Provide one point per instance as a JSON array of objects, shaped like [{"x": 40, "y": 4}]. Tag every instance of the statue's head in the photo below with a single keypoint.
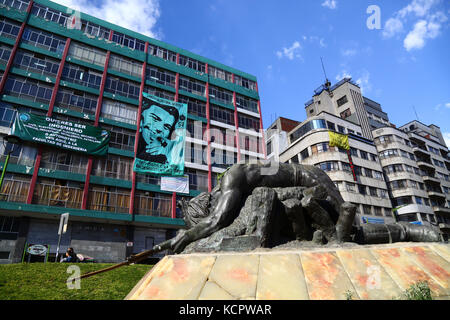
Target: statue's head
[{"x": 195, "y": 209}]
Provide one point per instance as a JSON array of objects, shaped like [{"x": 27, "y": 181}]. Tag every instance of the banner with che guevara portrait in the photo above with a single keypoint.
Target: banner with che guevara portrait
[{"x": 162, "y": 134}]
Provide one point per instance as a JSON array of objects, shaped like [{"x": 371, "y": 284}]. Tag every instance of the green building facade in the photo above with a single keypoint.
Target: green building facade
[{"x": 72, "y": 66}]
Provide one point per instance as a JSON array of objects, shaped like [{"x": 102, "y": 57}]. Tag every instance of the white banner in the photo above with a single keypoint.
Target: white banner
[{"x": 175, "y": 184}]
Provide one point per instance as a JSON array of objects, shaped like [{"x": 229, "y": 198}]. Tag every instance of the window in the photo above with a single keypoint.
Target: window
[
  {"x": 377, "y": 175},
  {"x": 331, "y": 126},
  {"x": 354, "y": 152},
  {"x": 5, "y": 52},
  {"x": 368, "y": 173},
  {"x": 388, "y": 153},
  {"x": 160, "y": 93},
  {"x": 9, "y": 28},
  {"x": 222, "y": 114},
  {"x": 195, "y": 107},
  {"x": 119, "y": 111},
  {"x": 221, "y": 95},
  {"x": 294, "y": 159},
  {"x": 125, "y": 88},
  {"x": 350, "y": 187},
  {"x": 419, "y": 200},
  {"x": 399, "y": 184},
  {"x": 94, "y": 29},
  {"x": 120, "y": 138},
  {"x": 373, "y": 157},
  {"x": 401, "y": 201},
  {"x": 362, "y": 189},
  {"x": 341, "y": 129},
  {"x": 342, "y": 101},
  {"x": 373, "y": 192},
  {"x": 113, "y": 166},
  {"x": 76, "y": 100},
  {"x": 304, "y": 154},
  {"x": 128, "y": 41},
  {"x": 269, "y": 147},
  {"x": 246, "y": 103},
  {"x": 28, "y": 88},
  {"x": 86, "y": 53},
  {"x": 81, "y": 75},
  {"x": 364, "y": 155},
  {"x": 161, "y": 76},
  {"x": 127, "y": 66},
  {"x": 36, "y": 63},
  {"x": 367, "y": 209},
  {"x": 329, "y": 166},
  {"x": 345, "y": 114},
  {"x": 192, "y": 86},
  {"x": 192, "y": 64},
  {"x": 7, "y": 115},
  {"x": 383, "y": 193},
  {"x": 346, "y": 166},
  {"x": 220, "y": 74},
  {"x": 49, "y": 14},
  {"x": 43, "y": 39},
  {"x": 378, "y": 211},
  {"x": 311, "y": 125},
  {"x": 162, "y": 53},
  {"x": 248, "y": 122},
  {"x": 319, "y": 148}
]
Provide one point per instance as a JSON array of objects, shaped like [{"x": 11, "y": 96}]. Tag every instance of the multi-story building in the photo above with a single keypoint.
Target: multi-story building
[
  {"x": 277, "y": 138},
  {"x": 357, "y": 173},
  {"x": 416, "y": 164},
  {"x": 89, "y": 71}
]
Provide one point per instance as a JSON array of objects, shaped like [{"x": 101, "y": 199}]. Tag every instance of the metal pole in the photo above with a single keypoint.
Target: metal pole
[
  {"x": 57, "y": 248},
  {"x": 4, "y": 169}
]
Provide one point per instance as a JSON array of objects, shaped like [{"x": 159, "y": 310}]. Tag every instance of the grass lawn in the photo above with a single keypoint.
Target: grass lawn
[{"x": 47, "y": 281}]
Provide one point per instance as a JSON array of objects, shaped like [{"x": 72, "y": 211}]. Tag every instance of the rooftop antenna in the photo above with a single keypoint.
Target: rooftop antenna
[
  {"x": 327, "y": 82},
  {"x": 417, "y": 117}
]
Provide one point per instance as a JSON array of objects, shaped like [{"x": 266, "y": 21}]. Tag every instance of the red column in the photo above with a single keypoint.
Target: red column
[
  {"x": 208, "y": 133},
  {"x": 37, "y": 163},
  {"x": 261, "y": 126},
  {"x": 236, "y": 124},
  {"x": 14, "y": 49},
  {"x": 177, "y": 85},
  {"x": 97, "y": 117},
  {"x": 138, "y": 123}
]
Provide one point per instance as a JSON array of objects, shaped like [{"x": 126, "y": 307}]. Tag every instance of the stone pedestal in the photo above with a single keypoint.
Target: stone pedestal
[{"x": 369, "y": 272}]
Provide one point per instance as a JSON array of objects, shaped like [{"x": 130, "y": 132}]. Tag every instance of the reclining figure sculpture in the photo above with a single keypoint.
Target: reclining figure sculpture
[
  {"x": 258, "y": 205},
  {"x": 319, "y": 202}
]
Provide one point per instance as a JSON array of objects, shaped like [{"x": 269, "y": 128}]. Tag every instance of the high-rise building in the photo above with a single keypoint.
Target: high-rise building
[
  {"x": 357, "y": 172},
  {"x": 400, "y": 174},
  {"x": 416, "y": 164},
  {"x": 78, "y": 68}
]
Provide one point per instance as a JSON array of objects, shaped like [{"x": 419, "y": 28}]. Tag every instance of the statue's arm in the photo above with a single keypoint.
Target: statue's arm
[{"x": 222, "y": 215}]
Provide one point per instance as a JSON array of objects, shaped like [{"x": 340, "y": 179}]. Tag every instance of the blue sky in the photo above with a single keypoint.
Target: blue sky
[{"x": 404, "y": 65}]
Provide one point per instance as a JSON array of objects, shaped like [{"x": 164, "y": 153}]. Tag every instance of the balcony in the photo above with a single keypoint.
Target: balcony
[
  {"x": 14, "y": 191},
  {"x": 58, "y": 196},
  {"x": 151, "y": 206},
  {"x": 439, "y": 209},
  {"x": 421, "y": 151},
  {"x": 423, "y": 164},
  {"x": 427, "y": 178},
  {"x": 436, "y": 193},
  {"x": 444, "y": 226}
]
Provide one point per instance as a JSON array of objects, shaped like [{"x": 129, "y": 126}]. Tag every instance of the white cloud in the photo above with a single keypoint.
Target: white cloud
[
  {"x": 290, "y": 53},
  {"x": 447, "y": 105},
  {"x": 342, "y": 75},
  {"x": 419, "y": 7},
  {"x": 427, "y": 27},
  {"x": 364, "y": 83},
  {"x": 331, "y": 4},
  {"x": 348, "y": 52},
  {"x": 424, "y": 29},
  {"x": 392, "y": 27},
  {"x": 136, "y": 15},
  {"x": 447, "y": 138}
]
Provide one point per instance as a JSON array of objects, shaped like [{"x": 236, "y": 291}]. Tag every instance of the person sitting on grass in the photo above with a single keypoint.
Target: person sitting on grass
[{"x": 70, "y": 256}]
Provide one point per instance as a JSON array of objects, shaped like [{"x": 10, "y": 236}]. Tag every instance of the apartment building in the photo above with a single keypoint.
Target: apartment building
[
  {"x": 357, "y": 173},
  {"x": 416, "y": 164},
  {"x": 93, "y": 72}
]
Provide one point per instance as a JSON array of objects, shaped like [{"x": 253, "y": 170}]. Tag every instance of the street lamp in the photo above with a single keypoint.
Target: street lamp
[{"x": 13, "y": 140}]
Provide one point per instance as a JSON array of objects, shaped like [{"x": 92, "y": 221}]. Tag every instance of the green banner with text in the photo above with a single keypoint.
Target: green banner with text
[{"x": 61, "y": 134}]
